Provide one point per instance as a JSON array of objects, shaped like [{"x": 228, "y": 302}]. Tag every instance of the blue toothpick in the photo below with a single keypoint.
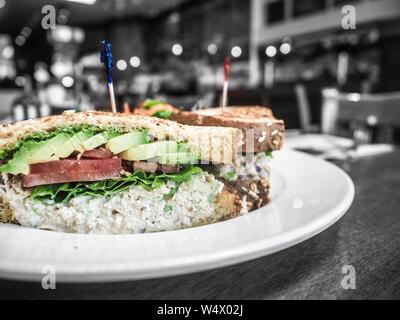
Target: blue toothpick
[{"x": 106, "y": 59}]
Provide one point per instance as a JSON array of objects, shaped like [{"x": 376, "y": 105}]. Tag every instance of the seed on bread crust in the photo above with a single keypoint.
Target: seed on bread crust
[
  {"x": 262, "y": 137},
  {"x": 254, "y": 195},
  {"x": 251, "y": 191}
]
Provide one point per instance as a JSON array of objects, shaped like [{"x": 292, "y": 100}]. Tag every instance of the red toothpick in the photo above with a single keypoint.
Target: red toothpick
[
  {"x": 226, "y": 68},
  {"x": 226, "y": 84}
]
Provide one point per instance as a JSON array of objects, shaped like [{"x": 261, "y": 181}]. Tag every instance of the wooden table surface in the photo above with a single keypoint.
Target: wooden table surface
[{"x": 367, "y": 237}]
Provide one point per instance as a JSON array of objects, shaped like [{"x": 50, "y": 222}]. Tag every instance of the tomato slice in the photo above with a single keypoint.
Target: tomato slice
[{"x": 72, "y": 171}]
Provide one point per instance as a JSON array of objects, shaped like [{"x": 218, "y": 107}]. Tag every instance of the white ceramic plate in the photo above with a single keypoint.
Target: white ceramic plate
[{"x": 308, "y": 196}]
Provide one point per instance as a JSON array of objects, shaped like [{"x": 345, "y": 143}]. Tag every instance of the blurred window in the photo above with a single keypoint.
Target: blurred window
[
  {"x": 275, "y": 11},
  {"x": 343, "y": 2},
  {"x": 305, "y": 7}
]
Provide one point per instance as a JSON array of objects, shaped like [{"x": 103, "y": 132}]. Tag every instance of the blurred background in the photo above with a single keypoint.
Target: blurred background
[{"x": 293, "y": 56}]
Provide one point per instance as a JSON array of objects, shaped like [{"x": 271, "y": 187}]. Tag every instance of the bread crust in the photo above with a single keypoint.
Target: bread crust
[
  {"x": 219, "y": 145},
  {"x": 261, "y": 130},
  {"x": 6, "y": 212},
  {"x": 253, "y": 193}
]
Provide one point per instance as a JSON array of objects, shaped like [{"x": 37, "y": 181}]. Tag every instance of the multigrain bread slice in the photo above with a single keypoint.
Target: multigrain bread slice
[
  {"x": 218, "y": 145},
  {"x": 254, "y": 193},
  {"x": 261, "y": 130},
  {"x": 7, "y": 213}
]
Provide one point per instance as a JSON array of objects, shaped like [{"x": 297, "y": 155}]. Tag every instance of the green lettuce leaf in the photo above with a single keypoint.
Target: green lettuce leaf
[
  {"x": 66, "y": 191},
  {"x": 148, "y": 104},
  {"x": 269, "y": 154},
  {"x": 163, "y": 114}
]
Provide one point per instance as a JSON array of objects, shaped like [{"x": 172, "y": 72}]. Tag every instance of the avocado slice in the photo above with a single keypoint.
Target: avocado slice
[
  {"x": 34, "y": 152},
  {"x": 151, "y": 150},
  {"x": 127, "y": 141},
  {"x": 96, "y": 141},
  {"x": 46, "y": 149},
  {"x": 177, "y": 158},
  {"x": 19, "y": 163},
  {"x": 73, "y": 144}
]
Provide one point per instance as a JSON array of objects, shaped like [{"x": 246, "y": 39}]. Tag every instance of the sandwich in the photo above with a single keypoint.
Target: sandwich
[
  {"x": 99, "y": 172},
  {"x": 249, "y": 175}
]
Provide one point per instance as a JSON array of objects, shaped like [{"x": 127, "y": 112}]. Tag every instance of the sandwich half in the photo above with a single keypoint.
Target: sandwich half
[
  {"x": 249, "y": 175},
  {"x": 98, "y": 172}
]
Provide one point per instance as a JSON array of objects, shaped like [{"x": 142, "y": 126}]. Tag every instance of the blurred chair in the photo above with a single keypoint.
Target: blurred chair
[
  {"x": 368, "y": 117},
  {"x": 307, "y": 97},
  {"x": 25, "y": 107},
  {"x": 304, "y": 107},
  {"x": 7, "y": 96},
  {"x": 330, "y": 108},
  {"x": 207, "y": 100}
]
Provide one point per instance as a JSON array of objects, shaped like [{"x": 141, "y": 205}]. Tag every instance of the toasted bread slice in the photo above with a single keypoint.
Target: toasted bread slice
[
  {"x": 219, "y": 145},
  {"x": 227, "y": 206},
  {"x": 7, "y": 214},
  {"x": 261, "y": 130},
  {"x": 254, "y": 194}
]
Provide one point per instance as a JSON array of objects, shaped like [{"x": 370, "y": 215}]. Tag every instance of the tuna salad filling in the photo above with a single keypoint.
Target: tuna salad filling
[
  {"x": 246, "y": 166},
  {"x": 135, "y": 209}
]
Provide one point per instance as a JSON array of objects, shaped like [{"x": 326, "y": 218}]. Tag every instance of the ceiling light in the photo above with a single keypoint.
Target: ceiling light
[
  {"x": 177, "y": 49},
  {"x": 26, "y": 31},
  {"x": 20, "y": 81},
  {"x": 236, "y": 52},
  {"x": 61, "y": 67},
  {"x": 19, "y": 41},
  {"x": 41, "y": 74},
  {"x": 285, "y": 48},
  {"x": 212, "y": 49},
  {"x": 134, "y": 62},
  {"x": 372, "y": 120},
  {"x": 89, "y": 2},
  {"x": 2, "y": 3},
  {"x": 62, "y": 34},
  {"x": 121, "y": 65},
  {"x": 271, "y": 51},
  {"x": 8, "y": 52},
  {"x": 64, "y": 12},
  {"x": 354, "y": 97},
  {"x": 374, "y": 35},
  {"x": 61, "y": 19},
  {"x": 174, "y": 17},
  {"x": 79, "y": 35},
  {"x": 67, "y": 81}
]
